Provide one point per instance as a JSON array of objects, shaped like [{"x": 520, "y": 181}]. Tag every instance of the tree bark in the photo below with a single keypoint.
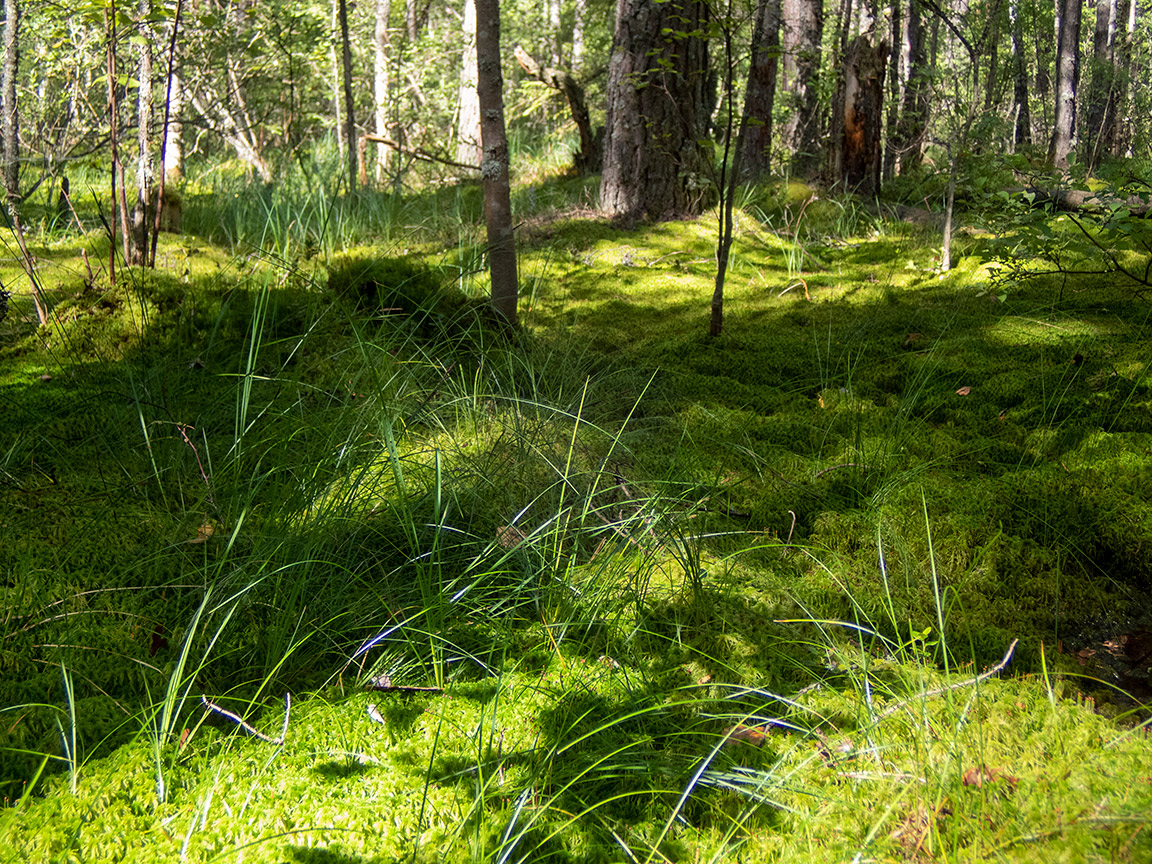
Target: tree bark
[
  {"x": 908, "y": 141},
  {"x": 1067, "y": 81},
  {"x": 173, "y": 144},
  {"x": 1022, "y": 134},
  {"x": 803, "y": 28},
  {"x": 895, "y": 94},
  {"x": 494, "y": 166},
  {"x": 655, "y": 165},
  {"x": 11, "y": 122},
  {"x": 760, "y": 93},
  {"x": 1100, "y": 118},
  {"x": 862, "y": 120},
  {"x": 588, "y": 160},
  {"x": 380, "y": 58},
  {"x": 349, "y": 102},
  {"x": 144, "y": 172},
  {"x": 468, "y": 151}
]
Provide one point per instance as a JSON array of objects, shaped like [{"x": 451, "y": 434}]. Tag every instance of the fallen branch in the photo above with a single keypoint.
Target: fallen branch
[
  {"x": 417, "y": 153},
  {"x": 999, "y": 667},
  {"x": 239, "y": 721}
]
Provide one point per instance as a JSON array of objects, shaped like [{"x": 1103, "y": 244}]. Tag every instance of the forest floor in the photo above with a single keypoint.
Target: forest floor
[{"x": 864, "y": 578}]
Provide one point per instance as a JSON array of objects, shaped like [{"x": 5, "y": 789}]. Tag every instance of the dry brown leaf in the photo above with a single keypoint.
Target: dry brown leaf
[
  {"x": 203, "y": 533},
  {"x": 978, "y": 776},
  {"x": 753, "y": 735},
  {"x": 509, "y": 535}
]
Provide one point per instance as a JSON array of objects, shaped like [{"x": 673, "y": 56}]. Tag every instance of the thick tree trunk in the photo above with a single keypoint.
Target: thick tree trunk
[
  {"x": 803, "y": 29},
  {"x": 349, "y": 103},
  {"x": 1023, "y": 119},
  {"x": 863, "y": 115},
  {"x": 468, "y": 120},
  {"x": 494, "y": 166},
  {"x": 654, "y": 164},
  {"x": 1067, "y": 81},
  {"x": 760, "y": 94}
]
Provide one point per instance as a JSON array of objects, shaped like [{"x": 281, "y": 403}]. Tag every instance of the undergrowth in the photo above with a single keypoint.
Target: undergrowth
[{"x": 616, "y": 590}]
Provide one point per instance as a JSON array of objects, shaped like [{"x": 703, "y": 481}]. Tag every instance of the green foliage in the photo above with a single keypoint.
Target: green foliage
[
  {"x": 1095, "y": 231},
  {"x": 685, "y": 596}
]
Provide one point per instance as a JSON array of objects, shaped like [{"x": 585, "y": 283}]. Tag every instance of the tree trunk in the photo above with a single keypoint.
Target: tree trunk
[
  {"x": 494, "y": 166},
  {"x": 863, "y": 115},
  {"x": 909, "y": 139},
  {"x": 803, "y": 29},
  {"x": 1023, "y": 132},
  {"x": 895, "y": 95},
  {"x": 1126, "y": 29},
  {"x": 655, "y": 165},
  {"x": 380, "y": 59},
  {"x": 760, "y": 94},
  {"x": 11, "y": 122},
  {"x": 1067, "y": 81},
  {"x": 588, "y": 160},
  {"x": 173, "y": 144},
  {"x": 11, "y": 128},
  {"x": 579, "y": 26},
  {"x": 554, "y": 43},
  {"x": 144, "y": 139},
  {"x": 349, "y": 102},
  {"x": 1100, "y": 122},
  {"x": 468, "y": 121}
]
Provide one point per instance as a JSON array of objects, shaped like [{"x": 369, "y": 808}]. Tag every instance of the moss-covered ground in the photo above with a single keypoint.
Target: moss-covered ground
[{"x": 672, "y": 597}]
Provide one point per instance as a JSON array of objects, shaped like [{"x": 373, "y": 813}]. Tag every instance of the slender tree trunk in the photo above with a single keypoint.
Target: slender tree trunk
[
  {"x": 349, "y": 102},
  {"x": 760, "y": 94},
  {"x": 173, "y": 143},
  {"x": 1100, "y": 120},
  {"x": 468, "y": 119},
  {"x": 554, "y": 35},
  {"x": 11, "y": 128},
  {"x": 119, "y": 197},
  {"x": 579, "y": 25},
  {"x": 337, "y": 100},
  {"x": 1067, "y": 81},
  {"x": 729, "y": 175},
  {"x": 1023, "y": 131},
  {"x": 803, "y": 29},
  {"x": 834, "y": 154},
  {"x": 1126, "y": 29},
  {"x": 168, "y": 207},
  {"x": 380, "y": 59},
  {"x": 909, "y": 138},
  {"x": 144, "y": 176},
  {"x": 895, "y": 94},
  {"x": 11, "y": 120},
  {"x": 655, "y": 166},
  {"x": 494, "y": 166},
  {"x": 991, "y": 44}
]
